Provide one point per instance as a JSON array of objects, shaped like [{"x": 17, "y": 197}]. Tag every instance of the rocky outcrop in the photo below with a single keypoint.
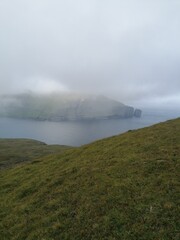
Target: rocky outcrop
[{"x": 137, "y": 113}]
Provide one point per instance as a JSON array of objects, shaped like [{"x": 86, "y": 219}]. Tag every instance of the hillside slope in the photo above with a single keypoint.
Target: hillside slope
[
  {"x": 123, "y": 187},
  {"x": 15, "y": 151}
]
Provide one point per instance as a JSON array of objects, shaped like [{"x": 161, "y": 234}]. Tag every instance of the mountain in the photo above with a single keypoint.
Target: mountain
[
  {"x": 123, "y": 187},
  {"x": 64, "y": 107}
]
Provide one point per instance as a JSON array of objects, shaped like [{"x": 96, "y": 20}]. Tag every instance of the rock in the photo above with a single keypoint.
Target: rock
[{"x": 137, "y": 113}]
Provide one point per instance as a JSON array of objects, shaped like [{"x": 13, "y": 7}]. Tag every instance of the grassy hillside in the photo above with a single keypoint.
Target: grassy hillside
[
  {"x": 14, "y": 151},
  {"x": 123, "y": 187}
]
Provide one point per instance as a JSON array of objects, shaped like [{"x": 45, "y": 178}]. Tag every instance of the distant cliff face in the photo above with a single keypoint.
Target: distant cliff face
[
  {"x": 62, "y": 107},
  {"x": 137, "y": 113}
]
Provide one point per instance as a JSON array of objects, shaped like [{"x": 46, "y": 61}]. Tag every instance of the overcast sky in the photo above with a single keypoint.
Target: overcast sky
[{"x": 125, "y": 49}]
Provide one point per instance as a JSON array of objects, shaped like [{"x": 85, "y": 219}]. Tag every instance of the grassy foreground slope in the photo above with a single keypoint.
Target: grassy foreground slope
[
  {"x": 123, "y": 187},
  {"x": 14, "y": 151}
]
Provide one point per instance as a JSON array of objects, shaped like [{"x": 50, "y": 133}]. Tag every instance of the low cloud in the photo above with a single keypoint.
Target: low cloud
[{"x": 127, "y": 50}]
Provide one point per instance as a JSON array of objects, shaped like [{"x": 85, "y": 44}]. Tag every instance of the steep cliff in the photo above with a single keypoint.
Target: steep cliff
[
  {"x": 137, "y": 113},
  {"x": 64, "y": 107}
]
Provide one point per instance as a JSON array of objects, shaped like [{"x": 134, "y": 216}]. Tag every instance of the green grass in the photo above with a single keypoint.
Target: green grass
[
  {"x": 15, "y": 151},
  {"x": 123, "y": 187}
]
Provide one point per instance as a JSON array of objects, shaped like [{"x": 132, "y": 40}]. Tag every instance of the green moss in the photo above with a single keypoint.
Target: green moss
[{"x": 123, "y": 187}]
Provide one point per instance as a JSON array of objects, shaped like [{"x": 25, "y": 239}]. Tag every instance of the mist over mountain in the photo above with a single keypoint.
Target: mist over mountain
[
  {"x": 77, "y": 73},
  {"x": 127, "y": 50},
  {"x": 64, "y": 107}
]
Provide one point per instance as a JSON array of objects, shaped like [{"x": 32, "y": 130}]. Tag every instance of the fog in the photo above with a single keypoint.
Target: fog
[{"x": 125, "y": 49}]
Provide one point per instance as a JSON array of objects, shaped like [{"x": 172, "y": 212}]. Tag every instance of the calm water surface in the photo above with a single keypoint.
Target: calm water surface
[{"x": 77, "y": 133}]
